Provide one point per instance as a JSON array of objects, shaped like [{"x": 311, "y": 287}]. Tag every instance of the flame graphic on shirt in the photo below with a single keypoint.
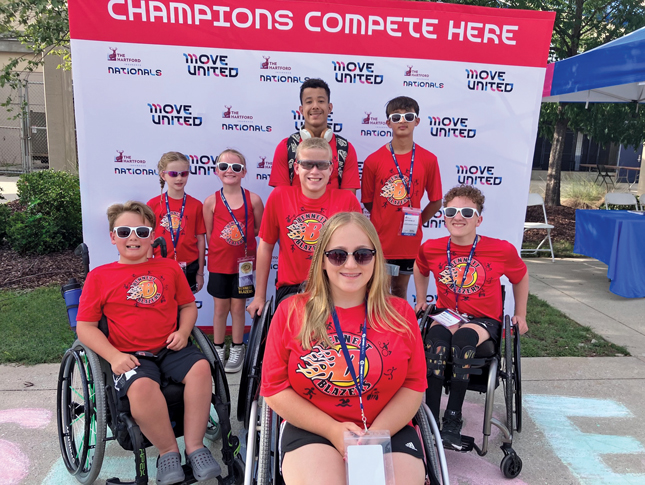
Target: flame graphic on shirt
[
  {"x": 231, "y": 234},
  {"x": 395, "y": 191},
  {"x": 305, "y": 229},
  {"x": 174, "y": 217},
  {"x": 145, "y": 289}
]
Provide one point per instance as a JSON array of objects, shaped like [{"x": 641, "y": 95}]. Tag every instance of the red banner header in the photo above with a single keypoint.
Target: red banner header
[{"x": 379, "y": 28}]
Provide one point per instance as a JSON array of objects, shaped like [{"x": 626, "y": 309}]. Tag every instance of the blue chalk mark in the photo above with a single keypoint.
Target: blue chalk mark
[{"x": 582, "y": 452}]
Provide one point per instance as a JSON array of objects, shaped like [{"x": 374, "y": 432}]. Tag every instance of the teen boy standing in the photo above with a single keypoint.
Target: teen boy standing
[{"x": 394, "y": 180}]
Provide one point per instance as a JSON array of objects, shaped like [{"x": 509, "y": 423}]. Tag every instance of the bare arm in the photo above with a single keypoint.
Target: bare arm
[
  {"x": 421, "y": 286},
  {"x": 430, "y": 210},
  {"x": 521, "y": 293},
  {"x": 201, "y": 247},
  {"x": 262, "y": 268},
  {"x": 399, "y": 411},
  {"x": 90, "y": 335},
  {"x": 187, "y": 318},
  {"x": 209, "y": 206},
  {"x": 258, "y": 210}
]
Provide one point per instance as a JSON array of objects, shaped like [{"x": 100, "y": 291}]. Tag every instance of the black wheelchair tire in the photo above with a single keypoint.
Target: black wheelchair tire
[
  {"x": 429, "y": 445},
  {"x": 517, "y": 380},
  {"x": 508, "y": 373},
  {"x": 219, "y": 375},
  {"x": 264, "y": 446},
  {"x": 87, "y": 468},
  {"x": 511, "y": 465}
]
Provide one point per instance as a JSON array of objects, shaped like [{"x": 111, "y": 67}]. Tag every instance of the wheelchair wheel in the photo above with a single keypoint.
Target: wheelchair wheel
[
  {"x": 511, "y": 465},
  {"x": 219, "y": 376},
  {"x": 81, "y": 413},
  {"x": 507, "y": 373},
  {"x": 517, "y": 381},
  {"x": 264, "y": 448},
  {"x": 429, "y": 445}
]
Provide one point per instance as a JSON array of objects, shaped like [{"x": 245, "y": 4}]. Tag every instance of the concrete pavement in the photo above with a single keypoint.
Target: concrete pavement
[{"x": 9, "y": 189}]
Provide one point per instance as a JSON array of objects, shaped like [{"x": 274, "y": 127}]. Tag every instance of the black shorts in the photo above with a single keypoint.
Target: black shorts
[
  {"x": 170, "y": 366},
  {"x": 286, "y": 291},
  {"x": 292, "y": 438},
  {"x": 494, "y": 327},
  {"x": 225, "y": 286},
  {"x": 405, "y": 265},
  {"x": 191, "y": 274}
]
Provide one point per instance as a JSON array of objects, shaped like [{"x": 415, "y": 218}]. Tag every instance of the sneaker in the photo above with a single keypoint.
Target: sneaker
[
  {"x": 203, "y": 464},
  {"x": 235, "y": 359},
  {"x": 221, "y": 353},
  {"x": 169, "y": 469},
  {"x": 451, "y": 429}
]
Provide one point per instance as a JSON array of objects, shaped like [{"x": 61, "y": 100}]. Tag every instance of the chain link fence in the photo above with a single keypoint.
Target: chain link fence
[{"x": 23, "y": 128}]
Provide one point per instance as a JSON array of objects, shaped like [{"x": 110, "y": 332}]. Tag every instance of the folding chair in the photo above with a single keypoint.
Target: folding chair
[
  {"x": 620, "y": 198},
  {"x": 536, "y": 199},
  {"x": 603, "y": 173}
]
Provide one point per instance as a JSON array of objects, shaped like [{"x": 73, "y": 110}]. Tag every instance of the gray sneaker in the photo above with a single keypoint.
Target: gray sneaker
[
  {"x": 235, "y": 359},
  {"x": 221, "y": 352}
]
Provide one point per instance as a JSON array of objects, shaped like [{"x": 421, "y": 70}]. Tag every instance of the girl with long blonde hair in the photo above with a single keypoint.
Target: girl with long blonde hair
[{"x": 306, "y": 377}]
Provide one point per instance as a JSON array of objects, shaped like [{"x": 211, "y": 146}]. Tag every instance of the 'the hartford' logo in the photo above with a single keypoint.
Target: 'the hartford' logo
[
  {"x": 228, "y": 113},
  {"x": 116, "y": 56},
  {"x": 477, "y": 175},
  {"x": 174, "y": 114},
  {"x": 264, "y": 163},
  {"x": 449, "y": 126},
  {"x": 209, "y": 65},
  {"x": 356, "y": 72},
  {"x": 485, "y": 80},
  {"x": 121, "y": 158}
]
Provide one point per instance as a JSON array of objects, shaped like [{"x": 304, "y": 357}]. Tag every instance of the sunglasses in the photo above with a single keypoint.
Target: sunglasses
[
  {"x": 338, "y": 257},
  {"x": 173, "y": 173},
  {"x": 310, "y": 164},
  {"x": 400, "y": 118},
  {"x": 466, "y": 212},
  {"x": 142, "y": 232},
  {"x": 224, "y": 166}
]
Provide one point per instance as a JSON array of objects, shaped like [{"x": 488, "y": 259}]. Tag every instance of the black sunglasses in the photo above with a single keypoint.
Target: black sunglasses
[
  {"x": 224, "y": 166},
  {"x": 466, "y": 212},
  {"x": 142, "y": 232},
  {"x": 338, "y": 257},
  {"x": 310, "y": 164},
  {"x": 401, "y": 117},
  {"x": 173, "y": 173}
]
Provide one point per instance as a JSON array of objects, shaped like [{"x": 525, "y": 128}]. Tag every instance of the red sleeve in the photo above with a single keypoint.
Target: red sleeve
[
  {"x": 90, "y": 307},
  {"x": 514, "y": 267},
  {"x": 351, "y": 178},
  {"x": 416, "y": 377},
  {"x": 433, "y": 185},
  {"x": 275, "y": 370},
  {"x": 269, "y": 227},
  {"x": 183, "y": 293},
  {"x": 354, "y": 204},
  {"x": 280, "y": 166},
  {"x": 200, "y": 226},
  {"x": 422, "y": 261},
  {"x": 368, "y": 182}
]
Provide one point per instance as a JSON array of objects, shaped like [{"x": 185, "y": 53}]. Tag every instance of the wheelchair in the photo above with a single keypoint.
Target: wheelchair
[
  {"x": 87, "y": 405},
  {"x": 263, "y": 425},
  {"x": 491, "y": 366}
]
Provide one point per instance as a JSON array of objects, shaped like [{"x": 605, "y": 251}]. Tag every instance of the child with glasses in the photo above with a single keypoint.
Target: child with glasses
[
  {"x": 180, "y": 219},
  {"x": 232, "y": 216},
  {"x": 141, "y": 299},
  {"x": 395, "y": 178},
  {"x": 467, "y": 269},
  {"x": 310, "y": 377},
  {"x": 294, "y": 216}
]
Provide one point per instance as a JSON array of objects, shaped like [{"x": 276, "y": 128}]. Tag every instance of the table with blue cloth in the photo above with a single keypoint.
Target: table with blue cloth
[{"x": 617, "y": 238}]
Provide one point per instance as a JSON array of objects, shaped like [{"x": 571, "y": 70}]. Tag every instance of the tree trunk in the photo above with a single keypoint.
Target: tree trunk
[{"x": 552, "y": 196}]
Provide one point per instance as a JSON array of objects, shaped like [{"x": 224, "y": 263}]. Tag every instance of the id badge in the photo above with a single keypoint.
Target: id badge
[
  {"x": 447, "y": 318},
  {"x": 182, "y": 265},
  {"x": 411, "y": 220},
  {"x": 369, "y": 458},
  {"x": 245, "y": 272}
]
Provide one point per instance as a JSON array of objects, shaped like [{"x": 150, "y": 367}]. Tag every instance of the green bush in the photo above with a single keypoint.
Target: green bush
[
  {"x": 5, "y": 212},
  {"x": 51, "y": 219}
]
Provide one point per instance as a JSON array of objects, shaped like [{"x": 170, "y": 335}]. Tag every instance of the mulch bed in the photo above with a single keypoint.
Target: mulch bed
[{"x": 562, "y": 217}]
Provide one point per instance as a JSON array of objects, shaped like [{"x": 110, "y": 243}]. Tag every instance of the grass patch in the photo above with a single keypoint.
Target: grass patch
[
  {"x": 553, "y": 334},
  {"x": 561, "y": 249},
  {"x": 582, "y": 193},
  {"x": 34, "y": 326}
]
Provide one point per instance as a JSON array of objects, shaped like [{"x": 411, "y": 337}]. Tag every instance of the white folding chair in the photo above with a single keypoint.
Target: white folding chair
[
  {"x": 536, "y": 199},
  {"x": 620, "y": 198}
]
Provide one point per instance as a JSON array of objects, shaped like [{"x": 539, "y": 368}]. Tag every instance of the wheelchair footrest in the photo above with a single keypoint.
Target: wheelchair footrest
[
  {"x": 188, "y": 471},
  {"x": 467, "y": 444}
]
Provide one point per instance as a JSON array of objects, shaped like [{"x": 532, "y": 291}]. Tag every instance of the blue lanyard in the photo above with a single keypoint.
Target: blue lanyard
[
  {"x": 175, "y": 237},
  {"x": 358, "y": 382},
  {"x": 246, "y": 215},
  {"x": 408, "y": 189},
  {"x": 463, "y": 279}
]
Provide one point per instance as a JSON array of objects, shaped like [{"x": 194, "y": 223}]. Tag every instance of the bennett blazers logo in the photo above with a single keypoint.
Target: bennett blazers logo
[
  {"x": 477, "y": 175},
  {"x": 451, "y": 127},
  {"x": 172, "y": 114},
  {"x": 487, "y": 80},
  {"x": 356, "y": 72},
  {"x": 299, "y": 121},
  {"x": 126, "y": 65},
  {"x": 209, "y": 65},
  {"x": 145, "y": 290}
]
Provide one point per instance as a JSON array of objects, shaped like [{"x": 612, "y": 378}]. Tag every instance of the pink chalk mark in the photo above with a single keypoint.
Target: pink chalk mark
[
  {"x": 31, "y": 418},
  {"x": 13, "y": 463}
]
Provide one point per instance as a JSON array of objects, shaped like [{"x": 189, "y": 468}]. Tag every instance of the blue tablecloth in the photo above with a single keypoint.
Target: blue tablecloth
[{"x": 617, "y": 238}]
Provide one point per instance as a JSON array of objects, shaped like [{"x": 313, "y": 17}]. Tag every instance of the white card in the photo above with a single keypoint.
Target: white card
[
  {"x": 365, "y": 465},
  {"x": 446, "y": 318}
]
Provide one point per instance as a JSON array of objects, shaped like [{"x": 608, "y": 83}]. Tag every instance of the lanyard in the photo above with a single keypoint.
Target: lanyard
[
  {"x": 463, "y": 279},
  {"x": 408, "y": 189},
  {"x": 175, "y": 237},
  {"x": 361, "y": 363},
  {"x": 246, "y": 215}
]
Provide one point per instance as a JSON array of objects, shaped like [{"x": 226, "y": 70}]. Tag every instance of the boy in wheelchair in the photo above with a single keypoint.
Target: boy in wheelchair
[
  {"x": 467, "y": 268},
  {"x": 145, "y": 346}
]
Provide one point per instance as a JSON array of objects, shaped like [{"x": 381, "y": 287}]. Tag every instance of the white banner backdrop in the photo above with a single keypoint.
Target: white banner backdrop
[{"x": 140, "y": 92}]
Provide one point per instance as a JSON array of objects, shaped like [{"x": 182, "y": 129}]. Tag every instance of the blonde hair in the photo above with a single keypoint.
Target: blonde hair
[
  {"x": 319, "y": 303},
  {"x": 231, "y": 151},
  {"x": 165, "y": 159},
  {"x": 115, "y": 210},
  {"x": 315, "y": 143}
]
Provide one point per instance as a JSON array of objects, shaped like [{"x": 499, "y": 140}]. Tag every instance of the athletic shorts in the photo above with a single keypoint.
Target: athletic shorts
[
  {"x": 170, "y": 366},
  {"x": 225, "y": 286},
  {"x": 292, "y": 438},
  {"x": 191, "y": 274},
  {"x": 286, "y": 291},
  {"x": 405, "y": 265},
  {"x": 493, "y": 326}
]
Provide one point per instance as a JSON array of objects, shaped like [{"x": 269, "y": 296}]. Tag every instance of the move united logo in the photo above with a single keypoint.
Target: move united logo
[
  {"x": 450, "y": 127},
  {"x": 145, "y": 290},
  {"x": 231, "y": 234},
  {"x": 475, "y": 278},
  {"x": 305, "y": 229},
  {"x": 354, "y": 72},
  {"x": 394, "y": 190},
  {"x": 202, "y": 164},
  {"x": 174, "y": 114},
  {"x": 209, "y": 65},
  {"x": 477, "y": 175},
  {"x": 487, "y": 80}
]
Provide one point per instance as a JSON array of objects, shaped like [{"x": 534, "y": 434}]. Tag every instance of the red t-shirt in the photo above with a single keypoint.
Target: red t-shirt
[
  {"x": 139, "y": 300},
  {"x": 226, "y": 245},
  {"x": 481, "y": 295},
  {"x": 382, "y": 187},
  {"x": 296, "y": 221},
  {"x": 320, "y": 375},
  {"x": 192, "y": 225},
  {"x": 280, "y": 167}
]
